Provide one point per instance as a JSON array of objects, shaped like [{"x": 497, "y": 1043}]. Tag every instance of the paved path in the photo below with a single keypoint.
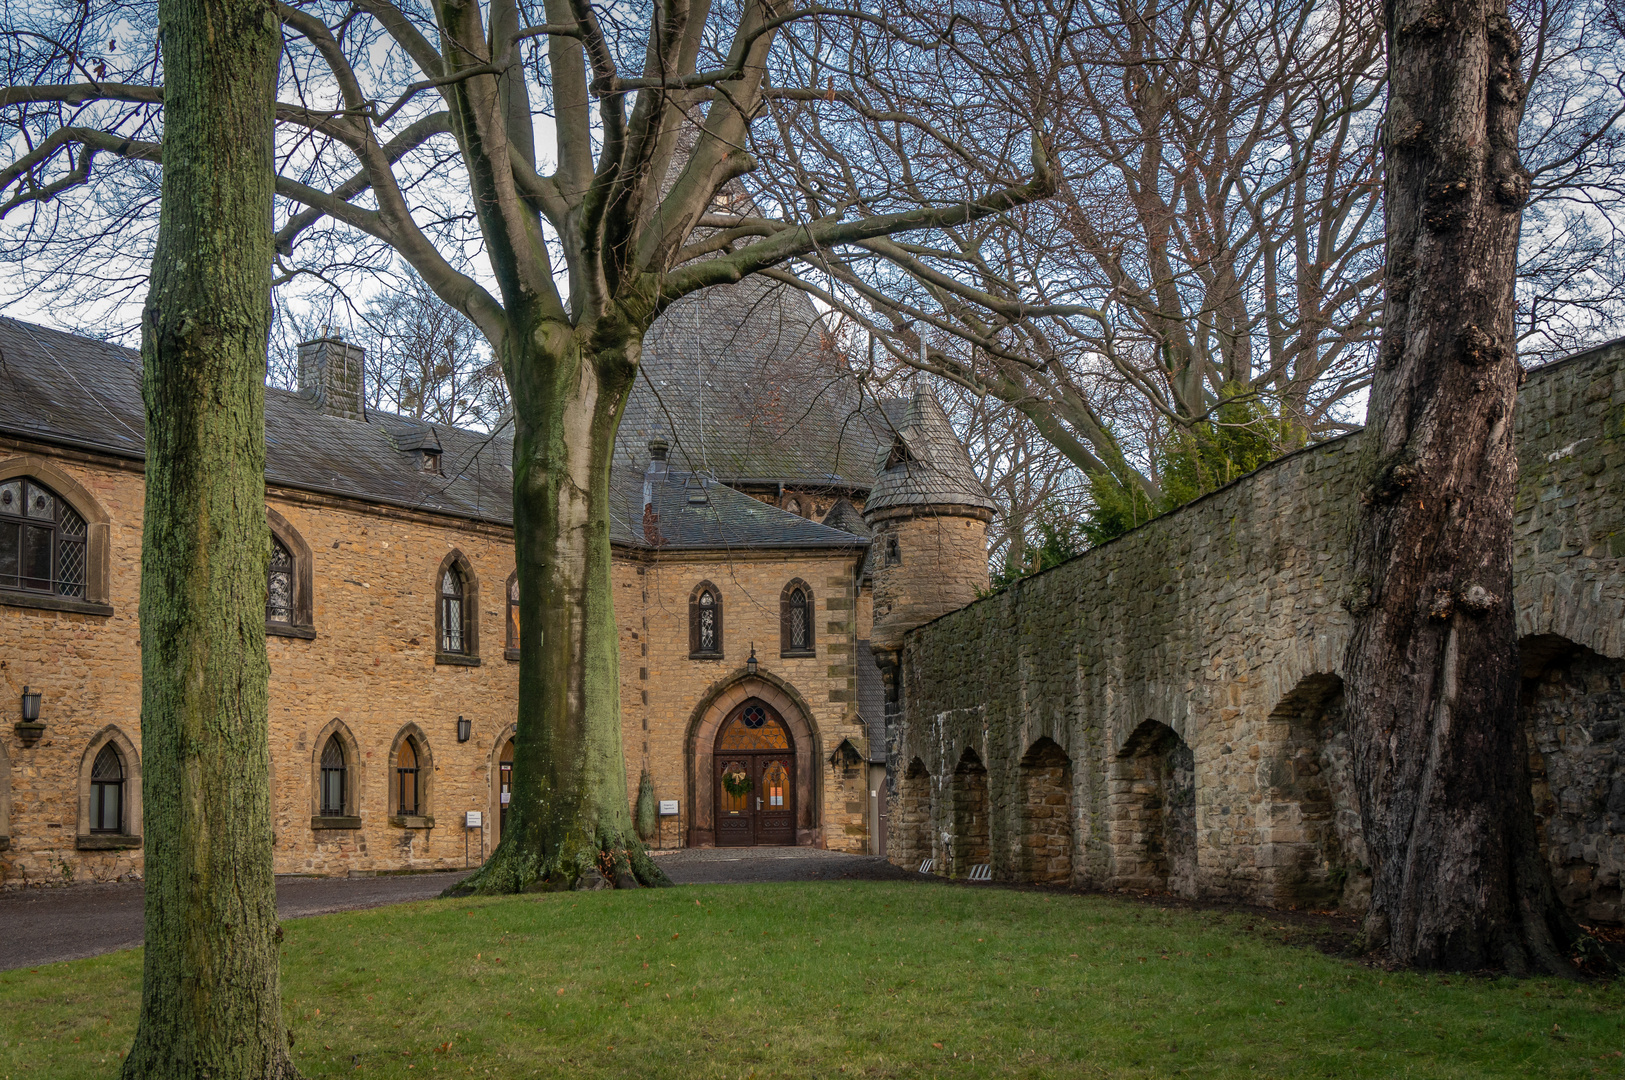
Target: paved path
[
  {"x": 719, "y": 866},
  {"x": 46, "y": 926}
]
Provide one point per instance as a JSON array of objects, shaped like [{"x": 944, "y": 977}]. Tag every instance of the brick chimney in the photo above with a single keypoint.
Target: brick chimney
[{"x": 330, "y": 374}]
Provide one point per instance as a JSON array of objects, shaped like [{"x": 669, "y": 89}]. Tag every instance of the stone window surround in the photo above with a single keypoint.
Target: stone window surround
[
  {"x": 471, "y": 611},
  {"x": 303, "y": 624},
  {"x": 785, "y": 651},
  {"x": 694, "y": 650},
  {"x": 131, "y": 836},
  {"x": 351, "y": 818},
  {"x": 98, "y": 573},
  {"x": 422, "y": 819}
]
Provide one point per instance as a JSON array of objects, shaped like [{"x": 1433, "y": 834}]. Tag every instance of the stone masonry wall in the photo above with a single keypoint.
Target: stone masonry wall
[
  {"x": 1222, "y": 622},
  {"x": 371, "y": 667}
]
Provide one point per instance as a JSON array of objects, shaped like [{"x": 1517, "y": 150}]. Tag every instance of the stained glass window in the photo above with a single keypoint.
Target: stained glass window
[
  {"x": 775, "y": 784},
  {"x": 42, "y": 541},
  {"x": 107, "y": 791},
  {"x": 279, "y": 584},
  {"x": 708, "y": 622},
  {"x": 333, "y": 778},
  {"x": 452, "y": 637},
  {"x": 513, "y": 612}
]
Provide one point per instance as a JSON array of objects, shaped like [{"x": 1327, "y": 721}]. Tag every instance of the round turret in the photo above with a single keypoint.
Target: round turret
[{"x": 929, "y": 514}]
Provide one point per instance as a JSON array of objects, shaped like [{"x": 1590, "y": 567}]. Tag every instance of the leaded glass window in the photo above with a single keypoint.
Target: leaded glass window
[
  {"x": 406, "y": 778},
  {"x": 513, "y": 612},
  {"x": 333, "y": 778},
  {"x": 798, "y": 619},
  {"x": 708, "y": 622},
  {"x": 107, "y": 791},
  {"x": 42, "y": 541},
  {"x": 279, "y": 584},
  {"x": 453, "y": 639}
]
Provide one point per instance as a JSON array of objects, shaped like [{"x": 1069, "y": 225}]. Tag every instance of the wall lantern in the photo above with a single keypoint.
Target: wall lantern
[
  {"x": 750, "y": 665},
  {"x": 463, "y": 727},
  {"x": 30, "y": 729}
]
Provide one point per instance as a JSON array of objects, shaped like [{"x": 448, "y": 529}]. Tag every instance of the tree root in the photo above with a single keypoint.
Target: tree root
[{"x": 614, "y": 862}]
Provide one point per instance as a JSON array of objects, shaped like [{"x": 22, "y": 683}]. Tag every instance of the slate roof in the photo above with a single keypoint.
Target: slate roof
[
  {"x": 922, "y": 463},
  {"x": 744, "y": 383},
  {"x": 80, "y": 392}
]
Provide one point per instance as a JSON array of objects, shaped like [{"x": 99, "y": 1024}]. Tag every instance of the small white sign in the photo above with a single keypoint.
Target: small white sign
[
  {"x": 668, "y": 807},
  {"x": 475, "y": 819}
]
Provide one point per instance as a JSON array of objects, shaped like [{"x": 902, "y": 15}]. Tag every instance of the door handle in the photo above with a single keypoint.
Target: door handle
[{"x": 758, "y": 802}]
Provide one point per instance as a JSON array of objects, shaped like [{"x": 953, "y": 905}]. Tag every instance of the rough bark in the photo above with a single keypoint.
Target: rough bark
[
  {"x": 1432, "y": 674},
  {"x": 211, "y": 1003},
  {"x": 569, "y": 825}
]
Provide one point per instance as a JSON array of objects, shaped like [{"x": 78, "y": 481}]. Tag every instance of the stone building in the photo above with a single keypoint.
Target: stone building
[
  {"x": 742, "y": 588},
  {"x": 1164, "y": 712}
]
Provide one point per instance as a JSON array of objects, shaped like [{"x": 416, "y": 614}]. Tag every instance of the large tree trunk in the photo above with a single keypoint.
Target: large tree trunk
[
  {"x": 211, "y": 1003},
  {"x": 569, "y": 824},
  {"x": 1432, "y": 673}
]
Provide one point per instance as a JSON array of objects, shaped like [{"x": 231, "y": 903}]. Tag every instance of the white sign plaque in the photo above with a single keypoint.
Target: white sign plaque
[
  {"x": 668, "y": 807},
  {"x": 475, "y": 819}
]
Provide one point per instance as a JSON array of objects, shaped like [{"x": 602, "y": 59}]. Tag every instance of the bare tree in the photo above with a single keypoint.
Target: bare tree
[
  {"x": 1457, "y": 876},
  {"x": 417, "y": 127}
]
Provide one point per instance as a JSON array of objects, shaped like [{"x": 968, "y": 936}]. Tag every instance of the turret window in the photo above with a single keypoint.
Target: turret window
[{"x": 894, "y": 551}]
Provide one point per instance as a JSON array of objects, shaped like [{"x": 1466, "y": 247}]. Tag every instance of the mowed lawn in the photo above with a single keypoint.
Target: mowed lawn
[{"x": 838, "y": 979}]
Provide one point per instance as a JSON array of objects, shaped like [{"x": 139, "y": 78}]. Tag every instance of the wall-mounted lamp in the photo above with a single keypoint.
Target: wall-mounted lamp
[
  {"x": 750, "y": 665},
  {"x": 463, "y": 729},
  {"x": 30, "y": 729}
]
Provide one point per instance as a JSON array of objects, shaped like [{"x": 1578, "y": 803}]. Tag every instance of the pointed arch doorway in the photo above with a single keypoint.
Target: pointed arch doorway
[{"x": 754, "y": 765}]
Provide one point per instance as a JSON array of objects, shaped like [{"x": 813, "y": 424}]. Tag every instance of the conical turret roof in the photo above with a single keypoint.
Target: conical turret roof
[{"x": 923, "y": 463}]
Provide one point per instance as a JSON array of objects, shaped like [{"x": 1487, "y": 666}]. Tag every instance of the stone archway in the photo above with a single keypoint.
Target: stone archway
[
  {"x": 1046, "y": 814},
  {"x": 972, "y": 843},
  {"x": 700, "y": 749},
  {"x": 1152, "y": 798}
]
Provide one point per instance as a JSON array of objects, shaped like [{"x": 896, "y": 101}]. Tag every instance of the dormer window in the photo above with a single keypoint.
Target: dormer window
[{"x": 429, "y": 461}]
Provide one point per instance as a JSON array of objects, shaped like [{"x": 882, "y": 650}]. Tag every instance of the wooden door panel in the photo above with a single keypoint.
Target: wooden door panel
[
  {"x": 735, "y": 820},
  {"x": 775, "y": 790}
]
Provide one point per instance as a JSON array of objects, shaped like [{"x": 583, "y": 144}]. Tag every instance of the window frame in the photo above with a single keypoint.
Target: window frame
[
  {"x": 470, "y": 654},
  {"x": 510, "y": 593},
  {"x": 98, "y": 799},
  {"x": 97, "y": 573},
  {"x": 422, "y": 815},
  {"x": 301, "y": 623},
  {"x": 352, "y": 781},
  {"x": 128, "y": 834},
  {"x": 787, "y": 646},
  {"x": 696, "y": 606}
]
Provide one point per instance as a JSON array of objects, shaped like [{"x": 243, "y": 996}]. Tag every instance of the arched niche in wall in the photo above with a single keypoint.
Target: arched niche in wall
[
  {"x": 1047, "y": 834},
  {"x": 1152, "y": 803}
]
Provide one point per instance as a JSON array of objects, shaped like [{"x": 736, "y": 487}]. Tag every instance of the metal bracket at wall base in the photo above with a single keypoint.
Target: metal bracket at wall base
[
  {"x": 981, "y": 872},
  {"x": 927, "y": 866}
]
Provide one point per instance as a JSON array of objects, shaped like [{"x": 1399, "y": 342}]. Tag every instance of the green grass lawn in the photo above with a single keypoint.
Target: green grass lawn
[{"x": 830, "y": 980}]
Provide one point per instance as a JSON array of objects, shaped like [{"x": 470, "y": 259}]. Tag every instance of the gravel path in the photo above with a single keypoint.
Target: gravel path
[{"x": 46, "y": 926}]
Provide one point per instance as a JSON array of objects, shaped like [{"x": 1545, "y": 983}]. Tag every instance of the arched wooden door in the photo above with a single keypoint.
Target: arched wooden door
[{"x": 755, "y": 765}]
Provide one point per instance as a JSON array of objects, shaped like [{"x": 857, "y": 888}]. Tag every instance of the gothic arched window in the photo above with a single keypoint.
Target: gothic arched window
[
  {"x": 512, "y": 649},
  {"x": 279, "y": 584},
  {"x": 406, "y": 778},
  {"x": 705, "y": 622},
  {"x": 452, "y": 636},
  {"x": 334, "y": 778},
  {"x": 107, "y": 792},
  {"x": 796, "y": 629},
  {"x": 42, "y": 540}
]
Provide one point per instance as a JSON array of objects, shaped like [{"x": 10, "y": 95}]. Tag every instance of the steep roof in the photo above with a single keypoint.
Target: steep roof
[
  {"x": 80, "y": 392},
  {"x": 744, "y": 382},
  {"x": 923, "y": 463}
]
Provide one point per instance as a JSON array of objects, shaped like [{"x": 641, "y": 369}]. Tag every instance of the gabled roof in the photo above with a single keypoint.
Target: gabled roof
[
  {"x": 923, "y": 463},
  {"x": 80, "y": 392}
]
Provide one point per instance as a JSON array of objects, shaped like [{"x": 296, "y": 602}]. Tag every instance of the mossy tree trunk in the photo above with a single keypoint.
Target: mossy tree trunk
[
  {"x": 1458, "y": 881},
  {"x": 568, "y": 821},
  {"x": 211, "y": 1004}
]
